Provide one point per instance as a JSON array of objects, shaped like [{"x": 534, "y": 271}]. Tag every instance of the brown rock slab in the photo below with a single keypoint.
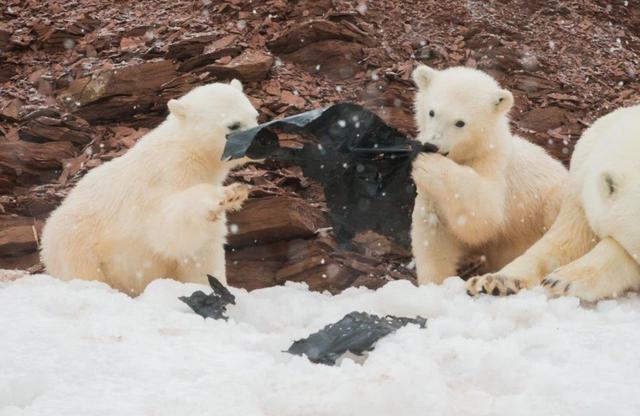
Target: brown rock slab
[
  {"x": 543, "y": 119},
  {"x": 336, "y": 59},
  {"x": 55, "y": 127},
  {"x": 7, "y": 70},
  {"x": 293, "y": 100},
  {"x": 24, "y": 163},
  {"x": 189, "y": 47},
  {"x": 5, "y": 35},
  {"x": 303, "y": 34},
  {"x": 18, "y": 235},
  {"x": 125, "y": 93},
  {"x": 249, "y": 66},
  {"x": 132, "y": 80},
  {"x": 255, "y": 267},
  {"x": 269, "y": 219},
  {"x": 534, "y": 85},
  {"x": 10, "y": 110},
  {"x": 209, "y": 56},
  {"x": 64, "y": 37}
]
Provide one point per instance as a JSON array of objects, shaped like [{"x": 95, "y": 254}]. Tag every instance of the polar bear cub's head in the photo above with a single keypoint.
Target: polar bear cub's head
[
  {"x": 208, "y": 113},
  {"x": 461, "y": 110}
]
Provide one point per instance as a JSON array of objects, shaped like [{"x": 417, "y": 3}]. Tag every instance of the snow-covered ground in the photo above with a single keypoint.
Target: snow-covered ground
[{"x": 81, "y": 348}]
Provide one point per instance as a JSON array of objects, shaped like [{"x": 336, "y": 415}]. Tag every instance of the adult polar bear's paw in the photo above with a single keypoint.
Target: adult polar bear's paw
[{"x": 606, "y": 271}]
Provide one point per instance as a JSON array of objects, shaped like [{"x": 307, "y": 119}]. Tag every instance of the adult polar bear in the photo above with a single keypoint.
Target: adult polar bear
[
  {"x": 159, "y": 210},
  {"x": 486, "y": 192},
  {"x": 593, "y": 249}
]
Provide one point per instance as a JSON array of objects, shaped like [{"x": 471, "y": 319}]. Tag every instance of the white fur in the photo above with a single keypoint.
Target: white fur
[
  {"x": 157, "y": 211},
  {"x": 486, "y": 192},
  {"x": 593, "y": 249}
]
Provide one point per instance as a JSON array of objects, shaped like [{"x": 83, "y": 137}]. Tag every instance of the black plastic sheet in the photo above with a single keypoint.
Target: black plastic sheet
[
  {"x": 363, "y": 164},
  {"x": 213, "y": 305},
  {"x": 357, "y": 333}
]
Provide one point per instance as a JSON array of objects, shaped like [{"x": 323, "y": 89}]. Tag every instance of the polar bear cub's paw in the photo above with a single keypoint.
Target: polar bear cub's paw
[
  {"x": 429, "y": 169},
  {"x": 232, "y": 198},
  {"x": 494, "y": 284}
]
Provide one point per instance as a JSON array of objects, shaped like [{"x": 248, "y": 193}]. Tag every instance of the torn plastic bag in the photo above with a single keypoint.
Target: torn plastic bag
[
  {"x": 213, "y": 305},
  {"x": 363, "y": 164},
  {"x": 357, "y": 333}
]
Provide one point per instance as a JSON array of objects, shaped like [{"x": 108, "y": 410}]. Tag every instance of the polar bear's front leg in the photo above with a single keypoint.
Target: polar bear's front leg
[
  {"x": 607, "y": 271},
  {"x": 186, "y": 221},
  {"x": 232, "y": 200},
  {"x": 436, "y": 251},
  {"x": 568, "y": 238},
  {"x": 473, "y": 206},
  {"x": 210, "y": 259}
]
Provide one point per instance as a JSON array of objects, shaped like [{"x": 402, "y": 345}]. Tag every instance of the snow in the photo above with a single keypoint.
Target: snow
[{"x": 81, "y": 348}]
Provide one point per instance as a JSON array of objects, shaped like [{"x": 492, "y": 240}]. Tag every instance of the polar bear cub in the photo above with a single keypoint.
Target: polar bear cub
[
  {"x": 593, "y": 249},
  {"x": 159, "y": 210},
  {"x": 485, "y": 192}
]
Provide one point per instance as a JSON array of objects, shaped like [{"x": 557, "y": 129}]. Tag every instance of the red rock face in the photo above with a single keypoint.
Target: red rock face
[{"x": 80, "y": 82}]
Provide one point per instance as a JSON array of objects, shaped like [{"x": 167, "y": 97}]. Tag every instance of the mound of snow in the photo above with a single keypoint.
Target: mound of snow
[{"x": 80, "y": 348}]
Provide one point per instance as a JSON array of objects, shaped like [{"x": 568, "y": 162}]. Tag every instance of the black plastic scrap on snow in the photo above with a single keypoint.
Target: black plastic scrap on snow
[
  {"x": 357, "y": 333},
  {"x": 213, "y": 305},
  {"x": 363, "y": 164}
]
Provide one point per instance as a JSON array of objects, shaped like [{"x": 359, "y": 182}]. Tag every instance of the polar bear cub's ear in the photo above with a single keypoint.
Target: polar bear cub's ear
[
  {"x": 236, "y": 84},
  {"x": 503, "y": 101},
  {"x": 177, "y": 108},
  {"x": 423, "y": 75}
]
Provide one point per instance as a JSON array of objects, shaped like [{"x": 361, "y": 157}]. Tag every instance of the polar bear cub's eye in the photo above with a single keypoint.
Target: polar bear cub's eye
[
  {"x": 432, "y": 113},
  {"x": 234, "y": 126},
  {"x": 460, "y": 123}
]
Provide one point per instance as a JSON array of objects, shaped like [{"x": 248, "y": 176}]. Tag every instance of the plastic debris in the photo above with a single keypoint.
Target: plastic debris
[
  {"x": 357, "y": 333},
  {"x": 213, "y": 305},
  {"x": 363, "y": 164}
]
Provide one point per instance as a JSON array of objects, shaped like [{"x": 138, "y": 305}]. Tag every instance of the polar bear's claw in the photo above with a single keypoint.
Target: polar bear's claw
[{"x": 557, "y": 286}]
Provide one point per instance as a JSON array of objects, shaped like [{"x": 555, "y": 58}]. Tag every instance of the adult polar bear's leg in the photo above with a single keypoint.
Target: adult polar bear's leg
[
  {"x": 568, "y": 238},
  {"x": 606, "y": 271}
]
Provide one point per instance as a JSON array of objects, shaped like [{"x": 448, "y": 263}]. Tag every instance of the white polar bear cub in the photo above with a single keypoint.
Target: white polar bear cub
[
  {"x": 159, "y": 210},
  {"x": 486, "y": 192},
  {"x": 593, "y": 249}
]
